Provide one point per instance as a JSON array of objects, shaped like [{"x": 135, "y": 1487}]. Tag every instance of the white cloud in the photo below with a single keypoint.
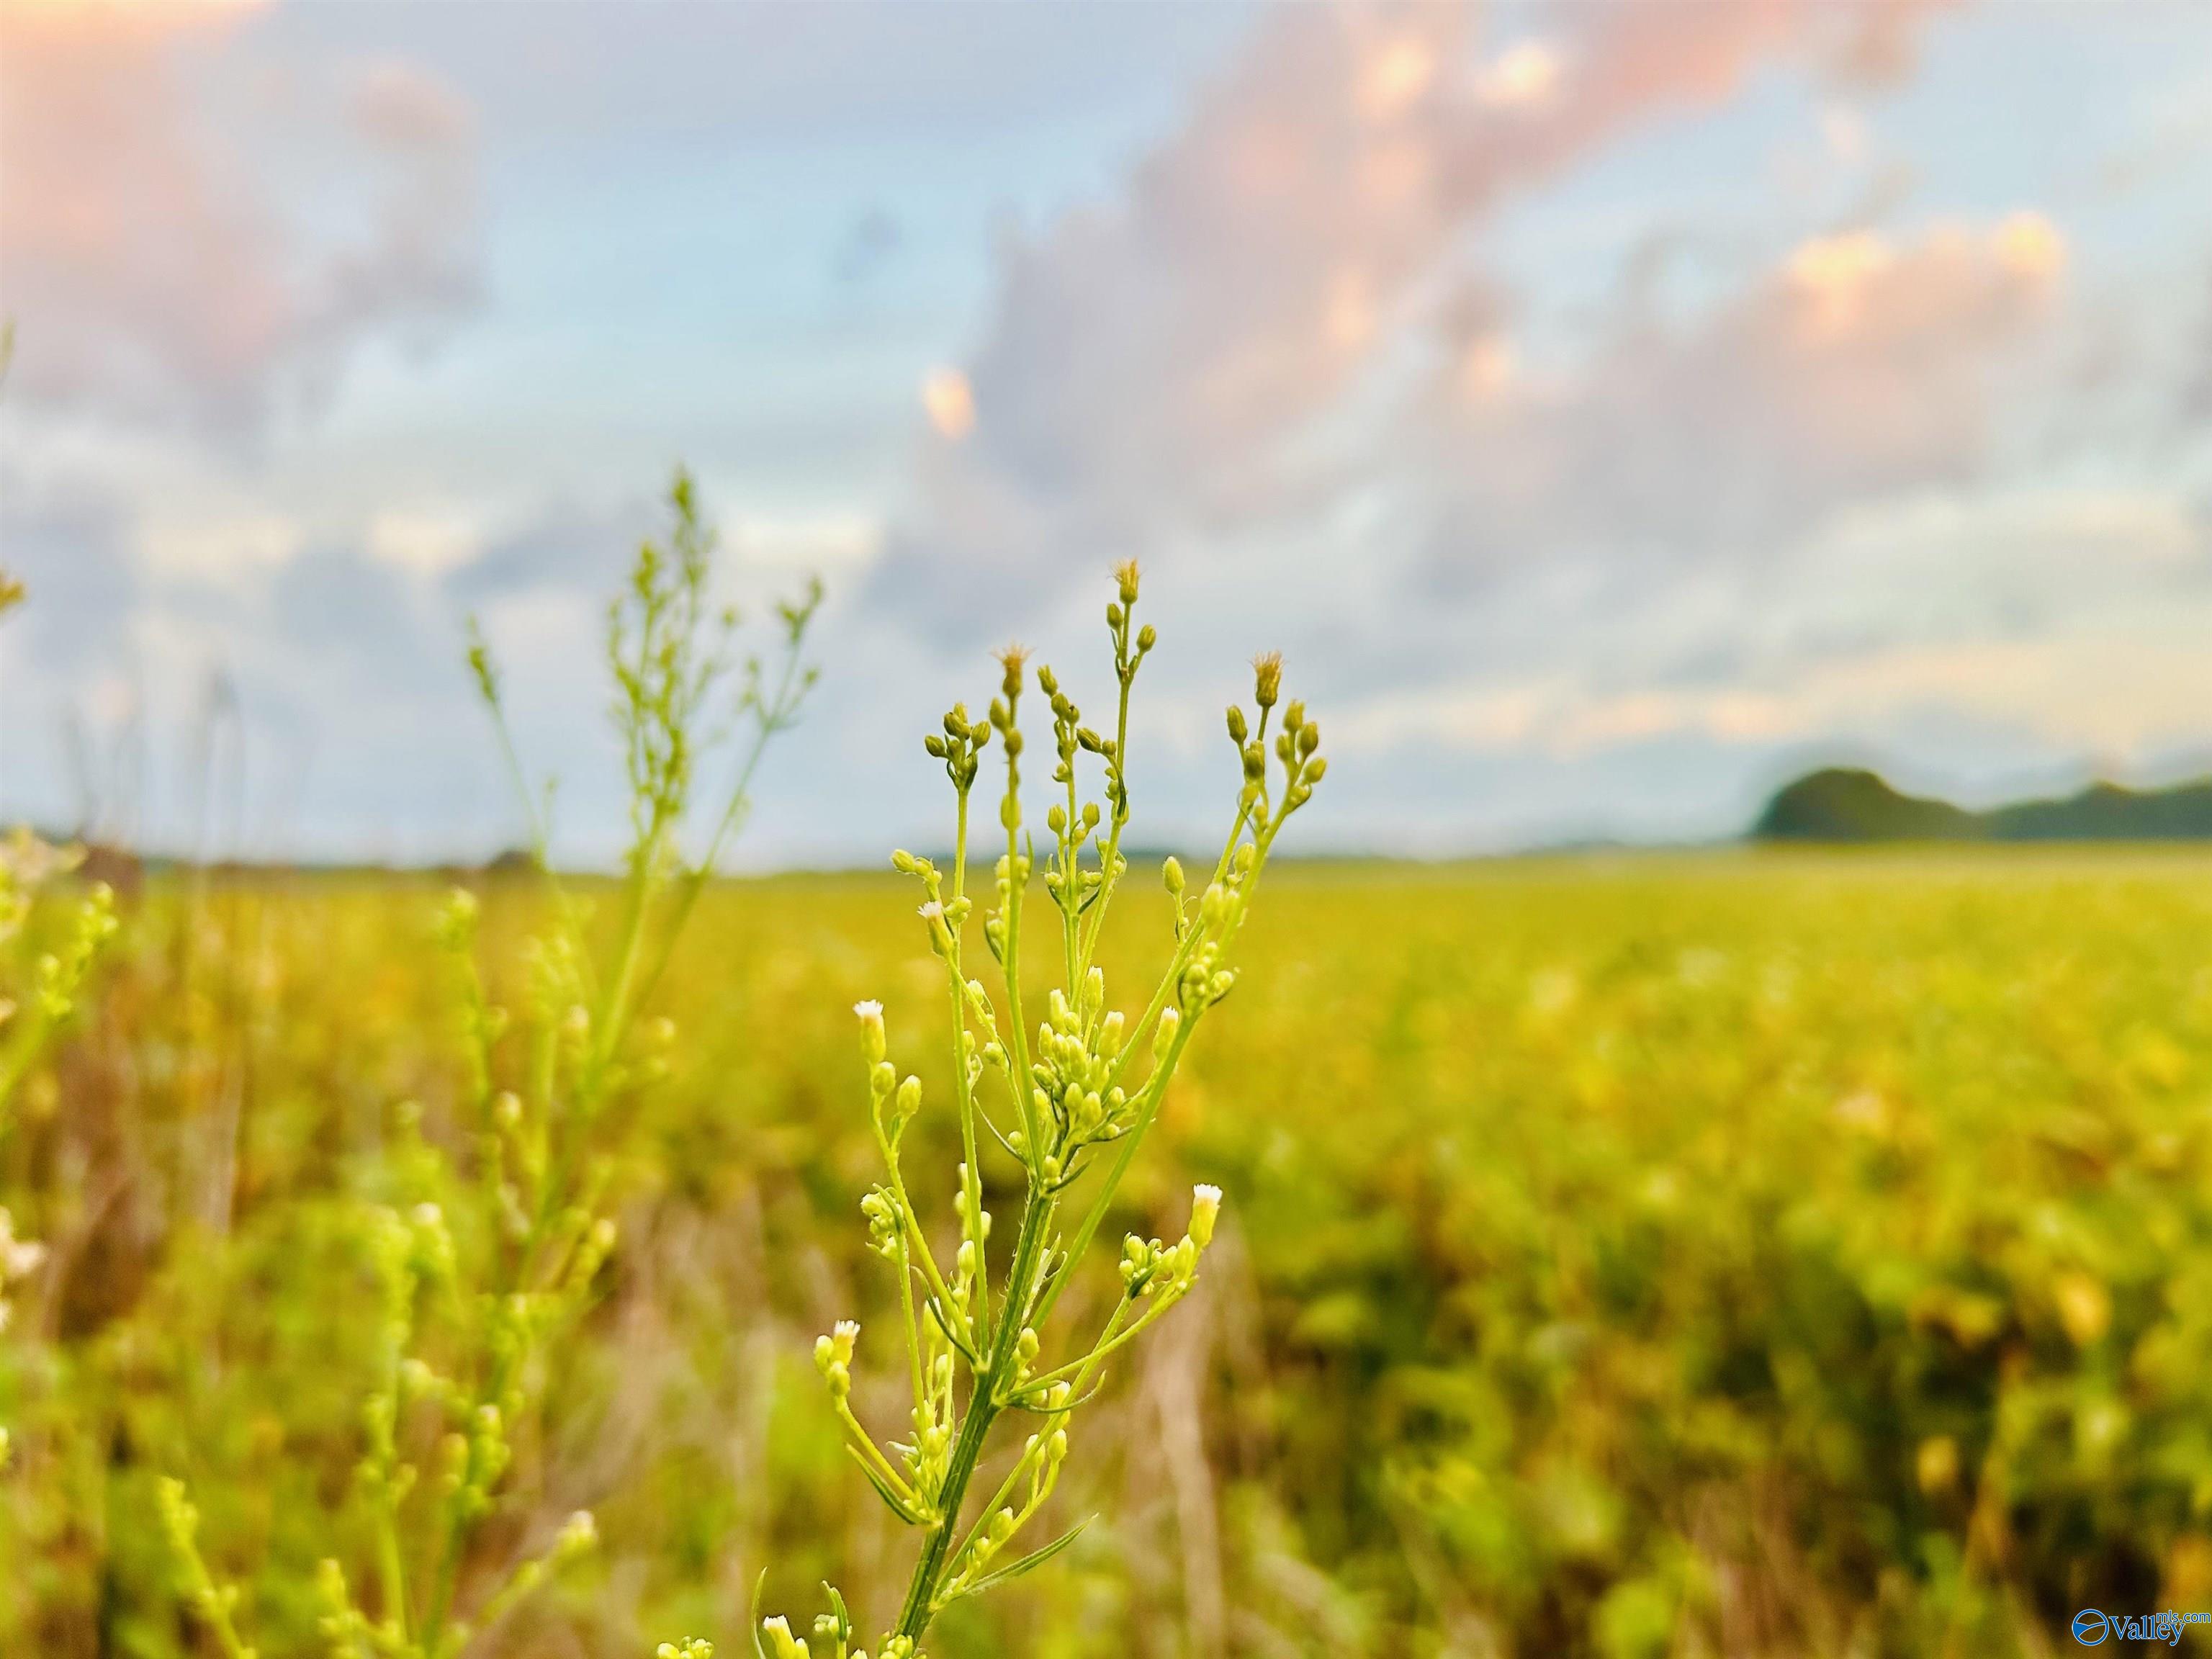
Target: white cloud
[
  {"x": 180, "y": 254},
  {"x": 223, "y": 549},
  {"x": 427, "y": 544},
  {"x": 1157, "y": 365}
]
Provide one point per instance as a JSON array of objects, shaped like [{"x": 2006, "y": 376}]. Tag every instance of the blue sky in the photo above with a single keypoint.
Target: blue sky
[{"x": 1608, "y": 410}]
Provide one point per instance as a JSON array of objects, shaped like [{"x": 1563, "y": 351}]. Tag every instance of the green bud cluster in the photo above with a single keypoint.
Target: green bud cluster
[
  {"x": 962, "y": 746},
  {"x": 833, "y": 1630},
  {"x": 47, "y": 988},
  {"x": 216, "y": 1606},
  {"x": 833, "y": 1358}
]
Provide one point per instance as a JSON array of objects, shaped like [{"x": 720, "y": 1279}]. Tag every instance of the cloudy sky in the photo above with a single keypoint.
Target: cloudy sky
[{"x": 1607, "y": 409}]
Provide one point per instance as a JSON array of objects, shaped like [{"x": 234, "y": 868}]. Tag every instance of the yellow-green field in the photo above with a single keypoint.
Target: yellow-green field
[{"x": 1727, "y": 1256}]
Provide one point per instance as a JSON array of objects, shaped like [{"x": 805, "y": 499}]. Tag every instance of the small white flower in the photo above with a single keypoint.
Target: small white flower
[
  {"x": 1205, "y": 1210},
  {"x": 871, "y": 1030}
]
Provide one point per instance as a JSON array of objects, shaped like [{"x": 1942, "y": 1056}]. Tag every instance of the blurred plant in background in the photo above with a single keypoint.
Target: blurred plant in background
[
  {"x": 1738, "y": 1255},
  {"x": 462, "y": 1258},
  {"x": 46, "y": 956}
]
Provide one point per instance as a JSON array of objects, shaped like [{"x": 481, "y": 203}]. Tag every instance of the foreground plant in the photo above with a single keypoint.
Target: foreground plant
[
  {"x": 1069, "y": 1099},
  {"x": 481, "y": 1269},
  {"x": 44, "y": 973}
]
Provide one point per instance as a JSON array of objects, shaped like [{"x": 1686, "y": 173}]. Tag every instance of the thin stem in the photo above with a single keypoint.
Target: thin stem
[
  {"x": 1108, "y": 1343},
  {"x": 1018, "y": 1077},
  {"x": 910, "y": 1228},
  {"x": 960, "y": 849},
  {"x": 983, "y": 1407},
  {"x": 864, "y": 1443},
  {"x": 613, "y": 1019},
  {"x": 1110, "y": 876},
  {"x": 17, "y": 1062},
  {"x": 971, "y": 1179},
  {"x": 781, "y": 708},
  {"x": 913, "y": 1329},
  {"x": 1071, "y": 890},
  {"x": 541, "y": 832}
]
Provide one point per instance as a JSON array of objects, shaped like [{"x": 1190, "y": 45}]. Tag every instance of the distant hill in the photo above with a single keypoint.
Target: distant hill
[{"x": 1838, "y": 804}]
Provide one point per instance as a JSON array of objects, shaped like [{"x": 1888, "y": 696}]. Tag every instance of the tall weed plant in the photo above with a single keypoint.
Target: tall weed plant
[
  {"x": 1067, "y": 1100},
  {"x": 479, "y": 1260}
]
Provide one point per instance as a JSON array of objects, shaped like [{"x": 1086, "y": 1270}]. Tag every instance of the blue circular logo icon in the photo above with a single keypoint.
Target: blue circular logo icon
[{"x": 2091, "y": 1628}]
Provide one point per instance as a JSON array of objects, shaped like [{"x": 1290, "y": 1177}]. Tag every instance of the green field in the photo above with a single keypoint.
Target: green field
[{"x": 1739, "y": 1254}]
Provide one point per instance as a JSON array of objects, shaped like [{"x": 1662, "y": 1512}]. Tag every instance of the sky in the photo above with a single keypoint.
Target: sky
[{"x": 1609, "y": 411}]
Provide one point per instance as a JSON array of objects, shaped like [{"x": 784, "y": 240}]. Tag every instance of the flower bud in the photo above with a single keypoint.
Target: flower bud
[
  {"x": 1213, "y": 908},
  {"x": 1267, "y": 678},
  {"x": 871, "y": 1030},
  {"x": 1205, "y": 1210},
  {"x": 940, "y": 935},
  {"x": 579, "y": 1534}
]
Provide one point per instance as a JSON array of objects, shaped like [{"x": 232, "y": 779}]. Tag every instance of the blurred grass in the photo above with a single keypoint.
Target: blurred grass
[{"x": 1734, "y": 1255}]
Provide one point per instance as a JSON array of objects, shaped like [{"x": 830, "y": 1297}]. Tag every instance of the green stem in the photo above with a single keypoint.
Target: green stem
[
  {"x": 1114, "y": 1340},
  {"x": 614, "y": 1007},
  {"x": 983, "y": 1407},
  {"x": 971, "y": 1178},
  {"x": 541, "y": 832},
  {"x": 913, "y": 1329},
  {"x": 1110, "y": 877},
  {"x": 781, "y": 710},
  {"x": 910, "y": 1226},
  {"x": 1071, "y": 892},
  {"x": 17, "y": 1062},
  {"x": 1020, "y": 1080}
]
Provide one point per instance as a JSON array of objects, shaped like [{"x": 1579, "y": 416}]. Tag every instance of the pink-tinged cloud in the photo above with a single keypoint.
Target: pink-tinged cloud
[
  {"x": 164, "y": 262},
  {"x": 1155, "y": 365},
  {"x": 1858, "y": 368}
]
